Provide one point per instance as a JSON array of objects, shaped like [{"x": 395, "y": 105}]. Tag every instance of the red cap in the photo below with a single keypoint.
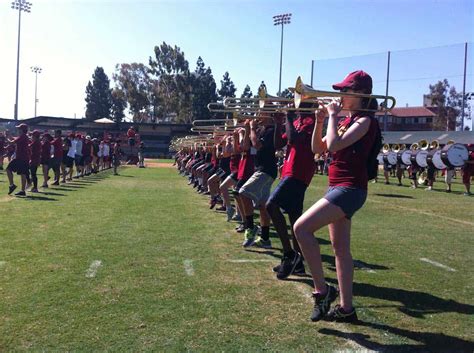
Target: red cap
[
  {"x": 36, "y": 133},
  {"x": 23, "y": 127},
  {"x": 357, "y": 80},
  {"x": 71, "y": 135}
]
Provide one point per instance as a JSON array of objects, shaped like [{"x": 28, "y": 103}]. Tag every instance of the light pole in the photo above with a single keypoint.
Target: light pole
[
  {"x": 20, "y": 5},
  {"x": 37, "y": 70},
  {"x": 281, "y": 20}
]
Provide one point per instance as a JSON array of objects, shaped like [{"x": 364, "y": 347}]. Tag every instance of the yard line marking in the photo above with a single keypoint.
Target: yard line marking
[
  {"x": 437, "y": 264},
  {"x": 239, "y": 261},
  {"x": 188, "y": 267},
  {"x": 424, "y": 213},
  {"x": 92, "y": 270}
]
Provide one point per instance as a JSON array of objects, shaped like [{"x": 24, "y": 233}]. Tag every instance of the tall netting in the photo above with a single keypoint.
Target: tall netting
[{"x": 411, "y": 73}]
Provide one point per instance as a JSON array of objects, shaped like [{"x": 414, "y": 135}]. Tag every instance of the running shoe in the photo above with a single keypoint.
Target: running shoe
[
  {"x": 322, "y": 303},
  {"x": 338, "y": 314}
]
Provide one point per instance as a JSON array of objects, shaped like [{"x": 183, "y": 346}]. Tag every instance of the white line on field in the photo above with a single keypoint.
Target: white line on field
[
  {"x": 188, "y": 267},
  {"x": 437, "y": 264},
  {"x": 92, "y": 270},
  {"x": 361, "y": 266},
  {"x": 239, "y": 261}
]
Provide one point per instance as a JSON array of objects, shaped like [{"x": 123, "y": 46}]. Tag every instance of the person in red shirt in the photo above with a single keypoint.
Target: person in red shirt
[
  {"x": 298, "y": 170},
  {"x": 35, "y": 158},
  {"x": 20, "y": 161},
  {"x": 2, "y": 149},
  {"x": 56, "y": 160},
  {"x": 350, "y": 143},
  {"x": 131, "y": 134},
  {"x": 468, "y": 170},
  {"x": 46, "y": 157}
]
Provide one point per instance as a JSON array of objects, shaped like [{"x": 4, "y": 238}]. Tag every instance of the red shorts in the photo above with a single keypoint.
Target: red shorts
[{"x": 466, "y": 177}]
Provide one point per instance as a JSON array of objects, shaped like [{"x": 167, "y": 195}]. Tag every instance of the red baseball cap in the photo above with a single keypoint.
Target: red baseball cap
[
  {"x": 36, "y": 133},
  {"x": 357, "y": 80}
]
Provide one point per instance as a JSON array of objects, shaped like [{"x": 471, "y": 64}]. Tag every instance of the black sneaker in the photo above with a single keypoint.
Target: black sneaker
[
  {"x": 11, "y": 188},
  {"x": 338, "y": 314},
  {"x": 322, "y": 303},
  {"x": 299, "y": 269},
  {"x": 20, "y": 193},
  {"x": 288, "y": 264}
]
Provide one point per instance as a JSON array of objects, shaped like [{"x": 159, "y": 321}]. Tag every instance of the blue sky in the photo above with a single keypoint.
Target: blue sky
[{"x": 68, "y": 39}]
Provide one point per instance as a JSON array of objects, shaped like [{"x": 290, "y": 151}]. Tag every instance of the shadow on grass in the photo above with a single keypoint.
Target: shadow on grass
[
  {"x": 395, "y": 196},
  {"x": 452, "y": 192},
  {"x": 429, "y": 341},
  {"x": 125, "y": 176},
  {"x": 38, "y": 198},
  {"x": 66, "y": 189},
  {"x": 50, "y": 193}
]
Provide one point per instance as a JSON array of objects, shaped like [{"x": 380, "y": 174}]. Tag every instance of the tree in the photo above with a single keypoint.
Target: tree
[
  {"x": 287, "y": 94},
  {"x": 98, "y": 96},
  {"x": 119, "y": 104},
  {"x": 134, "y": 81},
  {"x": 448, "y": 103},
  {"x": 247, "y": 93},
  {"x": 227, "y": 87},
  {"x": 203, "y": 91},
  {"x": 174, "y": 83}
]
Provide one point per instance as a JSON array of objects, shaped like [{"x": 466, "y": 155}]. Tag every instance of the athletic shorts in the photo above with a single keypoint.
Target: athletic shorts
[
  {"x": 289, "y": 195},
  {"x": 79, "y": 160},
  {"x": 208, "y": 168},
  {"x": 68, "y": 162},
  {"x": 234, "y": 176},
  {"x": 20, "y": 167},
  {"x": 238, "y": 185},
  {"x": 55, "y": 163},
  {"x": 222, "y": 174},
  {"x": 257, "y": 188},
  {"x": 87, "y": 160},
  {"x": 348, "y": 199},
  {"x": 466, "y": 177},
  {"x": 387, "y": 167}
]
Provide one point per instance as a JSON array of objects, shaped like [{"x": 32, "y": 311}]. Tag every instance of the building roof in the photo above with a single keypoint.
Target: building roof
[
  {"x": 408, "y": 112},
  {"x": 409, "y": 137}
]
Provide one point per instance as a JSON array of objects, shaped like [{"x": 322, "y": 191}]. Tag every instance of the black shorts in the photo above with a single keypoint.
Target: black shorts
[
  {"x": 45, "y": 161},
  {"x": 79, "y": 160},
  {"x": 431, "y": 173},
  {"x": 209, "y": 169},
  {"x": 289, "y": 195},
  {"x": 54, "y": 163},
  {"x": 68, "y": 161},
  {"x": 387, "y": 167},
  {"x": 131, "y": 141},
  {"x": 20, "y": 167},
  {"x": 222, "y": 174},
  {"x": 87, "y": 160}
]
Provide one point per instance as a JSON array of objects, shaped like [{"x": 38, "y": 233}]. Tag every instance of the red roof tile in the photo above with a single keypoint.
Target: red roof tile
[{"x": 409, "y": 112}]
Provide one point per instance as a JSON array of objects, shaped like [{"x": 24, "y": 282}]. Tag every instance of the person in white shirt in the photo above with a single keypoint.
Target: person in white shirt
[{"x": 106, "y": 155}]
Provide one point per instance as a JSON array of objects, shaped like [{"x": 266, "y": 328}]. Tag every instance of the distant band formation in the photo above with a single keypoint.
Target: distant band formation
[{"x": 242, "y": 155}]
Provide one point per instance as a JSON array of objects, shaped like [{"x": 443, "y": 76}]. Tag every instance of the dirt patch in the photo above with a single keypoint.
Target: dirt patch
[{"x": 159, "y": 165}]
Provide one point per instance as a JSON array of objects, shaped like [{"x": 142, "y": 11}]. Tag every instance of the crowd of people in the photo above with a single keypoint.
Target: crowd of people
[
  {"x": 57, "y": 153},
  {"x": 245, "y": 163}
]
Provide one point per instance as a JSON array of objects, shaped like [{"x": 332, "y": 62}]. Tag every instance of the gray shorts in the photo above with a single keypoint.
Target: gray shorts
[
  {"x": 257, "y": 188},
  {"x": 348, "y": 199}
]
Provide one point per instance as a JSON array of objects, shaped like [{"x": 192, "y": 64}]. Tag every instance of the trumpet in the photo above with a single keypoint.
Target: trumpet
[{"x": 305, "y": 92}]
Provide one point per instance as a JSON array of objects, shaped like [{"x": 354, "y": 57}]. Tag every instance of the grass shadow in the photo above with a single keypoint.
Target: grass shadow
[
  {"x": 429, "y": 341},
  {"x": 50, "y": 193},
  {"x": 395, "y": 196},
  {"x": 38, "y": 198}
]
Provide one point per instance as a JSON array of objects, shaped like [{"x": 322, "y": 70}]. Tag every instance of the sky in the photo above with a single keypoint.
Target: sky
[{"x": 69, "y": 38}]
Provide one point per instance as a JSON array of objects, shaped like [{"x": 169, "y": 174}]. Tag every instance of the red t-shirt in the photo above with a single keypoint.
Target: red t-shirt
[
  {"x": 2, "y": 144},
  {"x": 349, "y": 165},
  {"x": 234, "y": 163},
  {"x": 246, "y": 166},
  {"x": 470, "y": 167},
  {"x": 299, "y": 160},
  {"x": 86, "y": 148},
  {"x": 131, "y": 133},
  {"x": 45, "y": 151},
  {"x": 22, "y": 152},
  {"x": 57, "y": 143},
  {"x": 35, "y": 149}
]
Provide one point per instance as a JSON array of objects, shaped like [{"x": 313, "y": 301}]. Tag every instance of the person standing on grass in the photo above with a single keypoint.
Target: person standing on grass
[
  {"x": 468, "y": 171},
  {"x": 78, "y": 158},
  {"x": 351, "y": 142},
  {"x": 87, "y": 155},
  {"x": 70, "y": 143},
  {"x": 116, "y": 154},
  {"x": 141, "y": 155},
  {"x": 20, "y": 161},
  {"x": 298, "y": 169},
  {"x": 46, "y": 157},
  {"x": 231, "y": 180},
  {"x": 35, "y": 158},
  {"x": 2, "y": 149},
  {"x": 106, "y": 155},
  {"x": 57, "y": 158},
  {"x": 255, "y": 192}
]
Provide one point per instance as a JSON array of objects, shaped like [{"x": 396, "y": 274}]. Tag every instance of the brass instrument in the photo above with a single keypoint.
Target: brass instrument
[
  {"x": 386, "y": 148},
  {"x": 423, "y": 144},
  {"x": 305, "y": 92},
  {"x": 414, "y": 146},
  {"x": 434, "y": 145},
  {"x": 396, "y": 148}
]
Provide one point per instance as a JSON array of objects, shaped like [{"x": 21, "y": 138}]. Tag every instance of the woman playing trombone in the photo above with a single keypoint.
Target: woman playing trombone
[{"x": 350, "y": 142}]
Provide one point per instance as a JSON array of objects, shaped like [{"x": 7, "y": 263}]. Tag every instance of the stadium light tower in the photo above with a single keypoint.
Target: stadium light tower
[
  {"x": 21, "y": 6},
  {"x": 281, "y": 20},
  {"x": 37, "y": 70}
]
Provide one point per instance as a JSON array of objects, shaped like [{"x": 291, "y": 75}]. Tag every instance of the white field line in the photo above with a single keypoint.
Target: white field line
[
  {"x": 437, "y": 264},
  {"x": 239, "y": 261},
  {"x": 360, "y": 266},
  {"x": 436, "y": 215},
  {"x": 188, "y": 267},
  {"x": 92, "y": 270}
]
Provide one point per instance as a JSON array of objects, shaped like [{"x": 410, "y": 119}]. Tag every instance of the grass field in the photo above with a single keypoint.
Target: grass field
[{"x": 137, "y": 262}]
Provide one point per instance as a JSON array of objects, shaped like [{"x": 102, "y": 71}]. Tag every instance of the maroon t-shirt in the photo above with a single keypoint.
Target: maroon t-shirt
[
  {"x": 86, "y": 148},
  {"x": 246, "y": 166},
  {"x": 57, "y": 143},
  {"x": 45, "y": 151},
  {"x": 349, "y": 165},
  {"x": 234, "y": 163},
  {"x": 22, "y": 152},
  {"x": 35, "y": 149},
  {"x": 2, "y": 144},
  {"x": 299, "y": 160}
]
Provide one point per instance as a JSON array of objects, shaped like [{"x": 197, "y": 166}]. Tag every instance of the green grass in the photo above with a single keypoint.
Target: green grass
[{"x": 144, "y": 224}]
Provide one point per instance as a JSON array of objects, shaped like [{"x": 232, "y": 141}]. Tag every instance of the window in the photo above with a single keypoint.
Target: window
[
  {"x": 416, "y": 120},
  {"x": 409, "y": 121},
  {"x": 429, "y": 120},
  {"x": 422, "y": 120}
]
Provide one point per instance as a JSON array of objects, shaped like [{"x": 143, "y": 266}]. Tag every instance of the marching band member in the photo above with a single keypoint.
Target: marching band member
[
  {"x": 298, "y": 169},
  {"x": 350, "y": 142},
  {"x": 20, "y": 161},
  {"x": 35, "y": 158},
  {"x": 468, "y": 170}
]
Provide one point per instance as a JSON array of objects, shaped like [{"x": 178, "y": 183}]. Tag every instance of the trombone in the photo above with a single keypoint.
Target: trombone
[{"x": 305, "y": 93}]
